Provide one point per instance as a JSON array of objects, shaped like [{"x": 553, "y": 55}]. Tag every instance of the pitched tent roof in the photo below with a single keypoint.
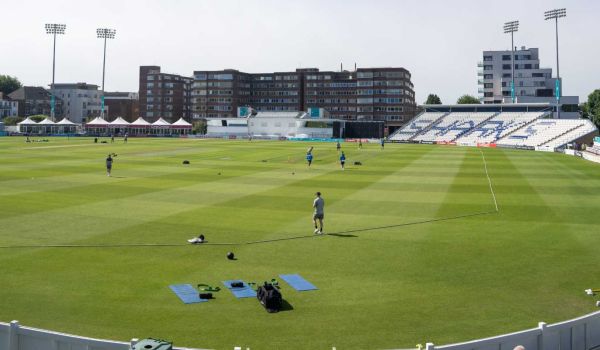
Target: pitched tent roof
[
  {"x": 98, "y": 122},
  {"x": 27, "y": 121},
  {"x": 181, "y": 124},
  {"x": 140, "y": 123},
  {"x": 46, "y": 121},
  {"x": 119, "y": 121},
  {"x": 65, "y": 121},
  {"x": 161, "y": 123}
]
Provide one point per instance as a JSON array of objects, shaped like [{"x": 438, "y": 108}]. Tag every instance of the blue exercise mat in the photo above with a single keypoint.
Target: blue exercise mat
[
  {"x": 240, "y": 292},
  {"x": 187, "y": 293},
  {"x": 297, "y": 282}
]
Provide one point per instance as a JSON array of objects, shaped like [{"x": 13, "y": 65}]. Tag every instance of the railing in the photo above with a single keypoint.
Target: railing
[
  {"x": 16, "y": 337},
  {"x": 582, "y": 333}
]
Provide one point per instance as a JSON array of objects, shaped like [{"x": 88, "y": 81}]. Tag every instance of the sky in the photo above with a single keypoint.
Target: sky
[{"x": 438, "y": 41}]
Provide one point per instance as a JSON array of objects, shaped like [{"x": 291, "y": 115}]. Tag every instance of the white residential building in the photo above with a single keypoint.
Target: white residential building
[
  {"x": 532, "y": 83},
  {"x": 81, "y": 101}
]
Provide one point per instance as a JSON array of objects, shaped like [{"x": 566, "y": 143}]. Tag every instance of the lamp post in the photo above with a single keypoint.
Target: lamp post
[
  {"x": 104, "y": 33},
  {"x": 54, "y": 29},
  {"x": 512, "y": 27},
  {"x": 556, "y": 14}
]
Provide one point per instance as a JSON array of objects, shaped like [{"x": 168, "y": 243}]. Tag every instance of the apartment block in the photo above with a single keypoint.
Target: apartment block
[
  {"x": 163, "y": 95},
  {"x": 383, "y": 94}
]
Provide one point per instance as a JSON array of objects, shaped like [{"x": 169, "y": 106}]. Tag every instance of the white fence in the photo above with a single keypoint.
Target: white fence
[
  {"x": 582, "y": 333},
  {"x": 16, "y": 337}
]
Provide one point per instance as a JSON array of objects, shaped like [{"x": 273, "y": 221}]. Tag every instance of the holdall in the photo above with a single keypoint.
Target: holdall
[
  {"x": 269, "y": 297},
  {"x": 152, "y": 344},
  {"x": 205, "y": 295}
]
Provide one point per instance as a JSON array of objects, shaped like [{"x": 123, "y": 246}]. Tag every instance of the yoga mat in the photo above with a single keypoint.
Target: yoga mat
[
  {"x": 186, "y": 293},
  {"x": 297, "y": 282},
  {"x": 241, "y": 292}
]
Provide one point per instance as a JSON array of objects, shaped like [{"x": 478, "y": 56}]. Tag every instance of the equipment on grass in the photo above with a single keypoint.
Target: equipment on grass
[
  {"x": 152, "y": 344},
  {"x": 197, "y": 240},
  {"x": 357, "y": 163},
  {"x": 592, "y": 291},
  {"x": 186, "y": 162},
  {"x": 207, "y": 288},
  {"x": 230, "y": 256},
  {"x": 205, "y": 295},
  {"x": 298, "y": 283},
  {"x": 269, "y": 297}
]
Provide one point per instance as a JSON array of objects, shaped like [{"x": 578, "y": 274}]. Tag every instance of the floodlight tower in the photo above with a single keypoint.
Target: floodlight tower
[
  {"x": 54, "y": 29},
  {"x": 104, "y": 33},
  {"x": 556, "y": 14},
  {"x": 512, "y": 27}
]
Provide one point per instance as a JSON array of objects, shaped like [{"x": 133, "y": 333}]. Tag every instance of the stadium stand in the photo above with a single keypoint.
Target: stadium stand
[
  {"x": 415, "y": 126},
  {"x": 499, "y": 126},
  {"x": 452, "y": 126},
  {"x": 548, "y": 132}
]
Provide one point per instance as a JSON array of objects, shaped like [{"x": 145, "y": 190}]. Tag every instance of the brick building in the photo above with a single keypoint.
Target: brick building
[
  {"x": 122, "y": 104},
  {"x": 382, "y": 94},
  {"x": 163, "y": 95}
]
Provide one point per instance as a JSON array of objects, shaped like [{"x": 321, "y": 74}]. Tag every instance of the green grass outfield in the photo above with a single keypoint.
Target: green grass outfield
[{"x": 445, "y": 281}]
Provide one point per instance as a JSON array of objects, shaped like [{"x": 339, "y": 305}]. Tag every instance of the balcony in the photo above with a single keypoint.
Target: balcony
[{"x": 480, "y": 64}]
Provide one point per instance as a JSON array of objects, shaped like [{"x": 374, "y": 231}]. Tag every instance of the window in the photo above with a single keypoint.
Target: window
[
  {"x": 506, "y": 66},
  {"x": 488, "y": 67},
  {"x": 488, "y": 76},
  {"x": 503, "y": 84},
  {"x": 488, "y": 58},
  {"x": 488, "y": 94},
  {"x": 488, "y": 86},
  {"x": 527, "y": 66},
  {"x": 364, "y": 75},
  {"x": 506, "y": 75},
  {"x": 505, "y": 57}
]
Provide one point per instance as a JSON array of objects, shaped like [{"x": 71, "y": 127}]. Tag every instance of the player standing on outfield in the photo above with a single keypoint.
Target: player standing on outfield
[
  {"x": 342, "y": 160},
  {"x": 338, "y": 146},
  {"x": 125, "y": 139},
  {"x": 360, "y": 143},
  {"x": 309, "y": 158},
  {"x": 109, "y": 162},
  {"x": 382, "y": 143},
  {"x": 319, "y": 214}
]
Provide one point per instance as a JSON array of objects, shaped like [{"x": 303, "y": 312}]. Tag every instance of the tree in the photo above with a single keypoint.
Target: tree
[
  {"x": 38, "y": 117},
  {"x": 9, "y": 84},
  {"x": 11, "y": 121},
  {"x": 591, "y": 109},
  {"x": 467, "y": 99},
  {"x": 433, "y": 99}
]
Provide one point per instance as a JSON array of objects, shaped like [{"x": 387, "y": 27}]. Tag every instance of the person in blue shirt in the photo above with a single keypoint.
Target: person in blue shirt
[
  {"x": 382, "y": 143},
  {"x": 309, "y": 158},
  {"x": 342, "y": 160}
]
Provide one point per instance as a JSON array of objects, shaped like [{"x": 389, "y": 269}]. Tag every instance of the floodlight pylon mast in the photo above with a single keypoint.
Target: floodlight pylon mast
[
  {"x": 104, "y": 33},
  {"x": 512, "y": 27},
  {"x": 54, "y": 28},
  {"x": 556, "y": 14}
]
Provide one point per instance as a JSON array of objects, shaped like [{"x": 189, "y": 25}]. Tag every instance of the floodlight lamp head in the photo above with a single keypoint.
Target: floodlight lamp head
[
  {"x": 555, "y": 14},
  {"x": 106, "y": 33},
  {"x": 53, "y": 28}
]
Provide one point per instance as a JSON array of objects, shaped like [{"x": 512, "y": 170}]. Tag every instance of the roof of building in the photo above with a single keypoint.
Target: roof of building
[
  {"x": 279, "y": 115},
  {"x": 65, "y": 121},
  {"x": 140, "y": 122},
  {"x": 27, "y": 121},
  {"x": 30, "y": 93},
  {"x": 98, "y": 121},
  {"x": 119, "y": 121},
  {"x": 46, "y": 121},
  {"x": 181, "y": 123},
  {"x": 78, "y": 86},
  {"x": 161, "y": 122},
  {"x": 118, "y": 95}
]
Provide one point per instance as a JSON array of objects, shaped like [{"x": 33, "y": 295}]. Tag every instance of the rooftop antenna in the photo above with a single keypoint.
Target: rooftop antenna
[
  {"x": 355, "y": 66},
  {"x": 341, "y": 67}
]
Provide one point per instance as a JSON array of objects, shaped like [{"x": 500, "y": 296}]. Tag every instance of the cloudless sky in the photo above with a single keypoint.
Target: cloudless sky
[{"x": 438, "y": 41}]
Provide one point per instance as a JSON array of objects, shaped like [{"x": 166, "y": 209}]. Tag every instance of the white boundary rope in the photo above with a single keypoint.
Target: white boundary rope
[{"x": 489, "y": 180}]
